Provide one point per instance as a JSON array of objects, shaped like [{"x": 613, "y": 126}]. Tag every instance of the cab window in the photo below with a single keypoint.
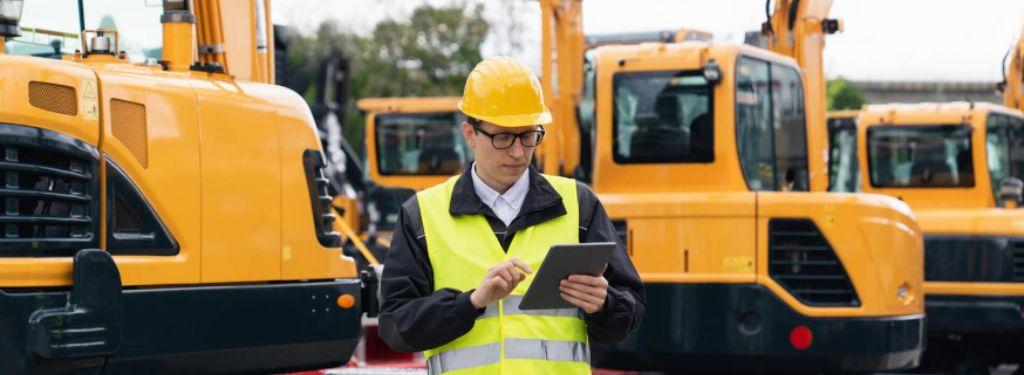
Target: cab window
[
  {"x": 1004, "y": 148},
  {"x": 51, "y": 28},
  {"x": 920, "y": 156},
  {"x": 843, "y": 166},
  {"x": 663, "y": 117},
  {"x": 770, "y": 126},
  {"x": 420, "y": 144}
]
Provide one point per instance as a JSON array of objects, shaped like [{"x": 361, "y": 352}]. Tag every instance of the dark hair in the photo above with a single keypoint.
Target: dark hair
[{"x": 473, "y": 121}]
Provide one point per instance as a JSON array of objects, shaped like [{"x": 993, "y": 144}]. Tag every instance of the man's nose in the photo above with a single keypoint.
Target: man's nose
[{"x": 516, "y": 150}]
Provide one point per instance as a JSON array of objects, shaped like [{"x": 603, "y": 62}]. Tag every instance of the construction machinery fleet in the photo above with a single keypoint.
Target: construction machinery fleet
[{"x": 810, "y": 276}]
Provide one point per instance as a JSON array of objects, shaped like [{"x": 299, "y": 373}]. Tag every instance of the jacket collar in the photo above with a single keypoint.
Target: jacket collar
[{"x": 540, "y": 195}]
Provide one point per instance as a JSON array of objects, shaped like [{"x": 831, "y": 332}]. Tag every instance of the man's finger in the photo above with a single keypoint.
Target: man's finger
[
  {"x": 586, "y": 294},
  {"x": 497, "y": 282},
  {"x": 586, "y": 279},
  {"x": 507, "y": 275},
  {"x": 598, "y": 294},
  {"x": 521, "y": 265},
  {"x": 579, "y": 303}
]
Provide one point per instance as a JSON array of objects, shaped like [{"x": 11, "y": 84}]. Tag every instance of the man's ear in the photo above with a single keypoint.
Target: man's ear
[{"x": 467, "y": 132}]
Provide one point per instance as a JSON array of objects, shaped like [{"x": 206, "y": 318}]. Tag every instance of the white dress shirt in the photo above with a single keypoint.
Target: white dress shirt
[{"x": 507, "y": 205}]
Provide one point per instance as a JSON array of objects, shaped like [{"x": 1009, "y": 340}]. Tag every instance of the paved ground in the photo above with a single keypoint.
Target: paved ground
[{"x": 1003, "y": 370}]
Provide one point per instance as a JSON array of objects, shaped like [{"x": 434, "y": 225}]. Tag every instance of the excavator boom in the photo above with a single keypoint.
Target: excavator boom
[
  {"x": 1013, "y": 84},
  {"x": 797, "y": 29}
]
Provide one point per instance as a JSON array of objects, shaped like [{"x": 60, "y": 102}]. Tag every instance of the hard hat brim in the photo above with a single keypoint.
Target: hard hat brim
[{"x": 512, "y": 121}]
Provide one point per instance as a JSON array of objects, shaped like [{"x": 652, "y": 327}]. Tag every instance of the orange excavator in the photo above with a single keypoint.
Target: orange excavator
[
  {"x": 705, "y": 157},
  {"x": 165, "y": 207}
]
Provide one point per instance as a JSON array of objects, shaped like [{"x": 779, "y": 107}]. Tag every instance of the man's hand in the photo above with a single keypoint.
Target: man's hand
[
  {"x": 499, "y": 282},
  {"x": 585, "y": 291}
]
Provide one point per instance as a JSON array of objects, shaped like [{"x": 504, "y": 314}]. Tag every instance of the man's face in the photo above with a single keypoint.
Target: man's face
[{"x": 503, "y": 166}]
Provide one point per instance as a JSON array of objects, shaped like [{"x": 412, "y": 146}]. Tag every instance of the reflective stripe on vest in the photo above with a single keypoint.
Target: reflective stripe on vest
[
  {"x": 510, "y": 306},
  {"x": 461, "y": 249},
  {"x": 474, "y": 356}
]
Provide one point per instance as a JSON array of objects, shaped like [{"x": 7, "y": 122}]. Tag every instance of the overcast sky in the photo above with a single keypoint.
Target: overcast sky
[{"x": 905, "y": 40}]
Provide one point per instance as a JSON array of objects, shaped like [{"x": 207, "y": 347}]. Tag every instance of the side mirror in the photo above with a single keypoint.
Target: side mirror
[
  {"x": 712, "y": 72},
  {"x": 1011, "y": 191}
]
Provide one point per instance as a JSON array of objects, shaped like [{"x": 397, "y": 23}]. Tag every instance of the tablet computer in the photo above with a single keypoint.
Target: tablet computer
[{"x": 562, "y": 261}]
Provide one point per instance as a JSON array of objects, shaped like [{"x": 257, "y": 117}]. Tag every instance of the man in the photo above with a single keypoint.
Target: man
[{"x": 464, "y": 251}]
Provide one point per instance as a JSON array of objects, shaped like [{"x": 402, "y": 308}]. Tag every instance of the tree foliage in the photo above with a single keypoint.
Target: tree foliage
[
  {"x": 841, "y": 94},
  {"x": 428, "y": 54}
]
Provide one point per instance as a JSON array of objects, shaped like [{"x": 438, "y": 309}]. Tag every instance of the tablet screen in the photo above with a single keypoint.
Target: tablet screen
[{"x": 562, "y": 261}]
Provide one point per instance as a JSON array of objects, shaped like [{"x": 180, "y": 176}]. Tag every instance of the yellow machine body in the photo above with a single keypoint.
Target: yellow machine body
[
  {"x": 168, "y": 216},
  {"x": 973, "y": 284}
]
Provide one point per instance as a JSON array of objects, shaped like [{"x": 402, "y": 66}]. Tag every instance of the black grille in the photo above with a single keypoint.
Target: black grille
[
  {"x": 1017, "y": 255},
  {"x": 803, "y": 262},
  {"x": 965, "y": 258},
  {"x": 320, "y": 199},
  {"x": 49, "y": 193}
]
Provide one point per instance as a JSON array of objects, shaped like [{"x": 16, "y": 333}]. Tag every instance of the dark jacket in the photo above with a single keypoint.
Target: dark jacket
[{"x": 414, "y": 317}]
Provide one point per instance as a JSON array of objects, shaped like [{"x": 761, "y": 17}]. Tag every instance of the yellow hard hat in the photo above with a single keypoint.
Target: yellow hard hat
[{"x": 504, "y": 92}]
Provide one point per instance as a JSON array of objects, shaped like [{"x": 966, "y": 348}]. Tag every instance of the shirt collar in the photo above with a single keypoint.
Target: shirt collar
[
  {"x": 514, "y": 195},
  {"x": 540, "y": 195}
]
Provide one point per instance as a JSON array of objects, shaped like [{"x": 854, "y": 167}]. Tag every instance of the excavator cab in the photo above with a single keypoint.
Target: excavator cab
[
  {"x": 160, "y": 213},
  {"x": 959, "y": 166},
  {"x": 692, "y": 138},
  {"x": 413, "y": 143}
]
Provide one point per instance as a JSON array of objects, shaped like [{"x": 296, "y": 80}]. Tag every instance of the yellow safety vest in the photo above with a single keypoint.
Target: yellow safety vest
[{"x": 504, "y": 339}]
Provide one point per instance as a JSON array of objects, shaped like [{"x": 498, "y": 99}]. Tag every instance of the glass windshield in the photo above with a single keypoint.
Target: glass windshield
[
  {"x": 137, "y": 23},
  {"x": 770, "y": 126},
  {"x": 420, "y": 144},
  {"x": 1004, "y": 149},
  {"x": 663, "y": 117},
  {"x": 843, "y": 167},
  {"x": 920, "y": 156},
  {"x": 48, "y": 29},
  {"x": 51, "y": 27}
]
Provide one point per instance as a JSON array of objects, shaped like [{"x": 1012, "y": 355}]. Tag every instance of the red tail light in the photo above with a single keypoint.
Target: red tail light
[{"x": 801, "y": 337}]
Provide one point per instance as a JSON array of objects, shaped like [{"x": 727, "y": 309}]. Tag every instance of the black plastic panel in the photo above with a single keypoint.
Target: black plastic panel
[
  {"x": 224, "y": 329},
  {"x": 745, "y": 328},
  {"x": 90, "y": 324},
  {"x": 133, "y": 227}
]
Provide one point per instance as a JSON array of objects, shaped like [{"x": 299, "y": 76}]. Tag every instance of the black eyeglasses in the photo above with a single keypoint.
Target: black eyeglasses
[{"x": 502, "y": 141}]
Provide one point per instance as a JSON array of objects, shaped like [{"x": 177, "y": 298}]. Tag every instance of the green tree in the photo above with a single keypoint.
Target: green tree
[
  {"x": 841, "y": 94},
  {"x": 428, "y": 54}
]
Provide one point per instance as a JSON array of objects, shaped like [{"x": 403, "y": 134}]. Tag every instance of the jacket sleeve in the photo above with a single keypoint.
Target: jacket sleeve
[
  {"x": 413, "y": 316},
  {"x": 624, "y": 307}
]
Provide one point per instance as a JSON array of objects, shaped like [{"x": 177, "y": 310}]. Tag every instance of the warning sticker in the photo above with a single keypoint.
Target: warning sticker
[
  {"x": 90, "y": 102},
  {"x": 738, "y": 264}
]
